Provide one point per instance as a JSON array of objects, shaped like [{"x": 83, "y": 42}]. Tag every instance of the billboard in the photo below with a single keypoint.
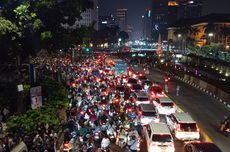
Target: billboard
[{"x": 36, "y": 97}]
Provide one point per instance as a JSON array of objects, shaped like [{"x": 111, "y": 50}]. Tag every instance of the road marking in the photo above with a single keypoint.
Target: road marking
[{"x": 206, "y": 137}]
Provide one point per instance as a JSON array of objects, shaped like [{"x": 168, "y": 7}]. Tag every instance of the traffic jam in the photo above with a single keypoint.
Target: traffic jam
[{"x": 116, "y": 108}]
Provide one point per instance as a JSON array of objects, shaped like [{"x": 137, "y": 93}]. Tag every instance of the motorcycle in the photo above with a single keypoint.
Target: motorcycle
[
  {"x": 111, "y": 133},
  {"x": 105, "y": 144}
]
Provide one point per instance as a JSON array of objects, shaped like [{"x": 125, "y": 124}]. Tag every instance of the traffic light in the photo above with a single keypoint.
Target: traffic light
[{"x": 87, "y": 50}]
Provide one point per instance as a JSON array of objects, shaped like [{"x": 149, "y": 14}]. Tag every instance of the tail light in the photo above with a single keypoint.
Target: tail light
[
  {"x": 82, "y": 112},
  {"x": 197, "y": 128},
  {"x": 178, "y": 128},
  {"x": 66, "y": 145},
  {"x": 116, "y": 100},
  {"x": 96, "y": 134},
  {"x": 140, "y": 112},
  {"x": 130, "y": 110},
  {"x": 162, "y": 92},
  {"x": 174, "y": 105}
]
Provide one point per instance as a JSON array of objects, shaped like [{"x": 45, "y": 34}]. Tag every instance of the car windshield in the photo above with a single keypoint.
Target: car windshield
[
  {"x": 136, "y": 87},
  {"x": 142, "y": 99},
  {"x": 167, "y": 104},
  {"x": 142, "y": 77},
  {"x": 132, "y": 81},
  {"x": 156, "y": 89},
  {"x": 149, "y": 114},
  {"x": 188, "y": 126},
  {"x": 161, "y": 138}
]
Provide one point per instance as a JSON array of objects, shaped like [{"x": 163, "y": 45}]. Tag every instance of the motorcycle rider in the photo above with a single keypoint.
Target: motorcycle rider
[
  {"x": 133, "y": 144},
  {"x": 105, "y": 142},
  {"x": 225, "y": 124}
]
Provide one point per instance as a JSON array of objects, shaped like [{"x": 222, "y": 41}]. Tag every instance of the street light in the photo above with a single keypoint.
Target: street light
[
  {"x": 119, "y": 41},
  {"x": 210, "y": 35},
  {"x": 180, "y": 42}
]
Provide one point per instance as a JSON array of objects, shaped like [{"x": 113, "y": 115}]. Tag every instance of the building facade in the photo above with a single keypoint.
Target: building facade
[
  {"x": 212, "y": 28},
  {"x": 164, "y": 13},
  {"x": 146, "y": 24},
  {"x": 121, "y": 17},
  {"x": 106, "y": 21},
  {"x": 189, "y": 9},
  {"x": 88, "y": 17}
]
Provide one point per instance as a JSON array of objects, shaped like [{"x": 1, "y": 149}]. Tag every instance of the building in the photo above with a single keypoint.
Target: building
[
  {"x": 164, "y": 13},
  {"x": 159, "y": 18},
  {"x": 129, "y": 30},
  {"x": 106, "y": 21},
  {"x": 88, "y": 17},
  {"x": 190, "y": 9},
  {"x": 121, "y": 16},
  {"x": 173, "y": 7},
  {"x": 146, "y": 24},
  {"x": 204, "y": 30}
]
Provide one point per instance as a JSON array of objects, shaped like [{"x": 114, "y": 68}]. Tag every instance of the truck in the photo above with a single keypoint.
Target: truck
[{"x": 120, "y": 67}]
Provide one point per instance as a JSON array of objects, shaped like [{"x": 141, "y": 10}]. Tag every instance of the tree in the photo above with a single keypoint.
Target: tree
[
  {"x": 41, "y": 20},
  {"x": 123, "y": 35}
]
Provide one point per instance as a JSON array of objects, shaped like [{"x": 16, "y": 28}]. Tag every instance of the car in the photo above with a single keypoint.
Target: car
[
  {"x": 120, "y": 89},
  {"x": 141, "y": 78},
  {"x": 164, "y": 105},
  {"x": 136, "y": 88},
  {"x": 131, "y": 81},
  {"x": 158, "y": 137},
  {"x": 183, "y": 126},
  {"x": 141, "y": 97},
  {"x": 147, "y": 113},
  {"x": 195, "y": 146},
  {"x": 135, "y": 74},
  {"x": 155, "y": 91}
]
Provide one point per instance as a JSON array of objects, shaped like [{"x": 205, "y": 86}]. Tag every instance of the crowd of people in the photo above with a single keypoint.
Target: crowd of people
[{"x": 99, "y": 117}]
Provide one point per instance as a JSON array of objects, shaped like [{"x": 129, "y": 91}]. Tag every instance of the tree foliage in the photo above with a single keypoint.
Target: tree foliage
[
  {"x": 123, "y": 35},
  {"x": 35, "y": 24},
  {"x": 56, "y": 98}
]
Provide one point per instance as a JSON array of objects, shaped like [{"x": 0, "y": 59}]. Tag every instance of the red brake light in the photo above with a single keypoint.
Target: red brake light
[
  {"x": 66, "y": 145},
  {"x": 197, "y": 128},
  {"x": 178, "y": 127},
  {"x": 174, "y": 105},
  {"x": 82, "y": 112},
  {"x": 130, "y": 109},
  {"x": 140, "y": 112},
  {"x": 162, "y": 92}
]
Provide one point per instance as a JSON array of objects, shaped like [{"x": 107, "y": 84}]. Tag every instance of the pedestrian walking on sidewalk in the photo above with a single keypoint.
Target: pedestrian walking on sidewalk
[{"x": 177, "y": 90}]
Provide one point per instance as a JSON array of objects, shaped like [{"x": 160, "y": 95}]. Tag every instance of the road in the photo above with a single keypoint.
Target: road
[{"x": 206, "y": 110}]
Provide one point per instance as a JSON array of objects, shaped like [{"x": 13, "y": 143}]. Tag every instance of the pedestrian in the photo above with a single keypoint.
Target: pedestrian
[
  {"x": 166, "y": 88},
  {"x": 177, "y": 90}
]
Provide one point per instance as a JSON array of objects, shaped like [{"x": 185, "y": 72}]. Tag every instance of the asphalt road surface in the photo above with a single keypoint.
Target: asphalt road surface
[{"x": 206, "y": 110}]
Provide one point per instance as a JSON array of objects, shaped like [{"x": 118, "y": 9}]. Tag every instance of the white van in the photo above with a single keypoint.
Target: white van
[
  {"x": 165, "y": 105},
  {"x": 158, "y": 137},
  {"x": 183, "y": 126}
]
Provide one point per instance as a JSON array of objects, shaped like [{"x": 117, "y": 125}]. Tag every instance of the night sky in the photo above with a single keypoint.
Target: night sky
[{"x": 136, "y": 9}]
